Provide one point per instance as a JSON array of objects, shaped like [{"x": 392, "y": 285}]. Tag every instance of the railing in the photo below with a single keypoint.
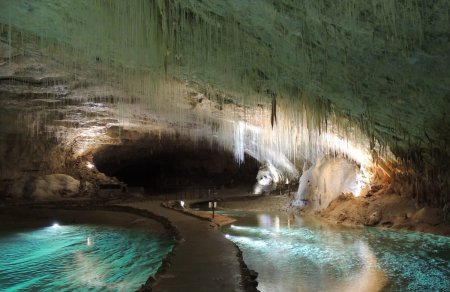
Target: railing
[
  {"x": 179, "y": 193},
  {"x": 190, "y": 193}
]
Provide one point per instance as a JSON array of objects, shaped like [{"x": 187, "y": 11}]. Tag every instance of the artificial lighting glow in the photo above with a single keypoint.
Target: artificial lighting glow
[
  {"x": 361, "y": 183},
  {"x": 182, "y": 204},
  {"x": 243, "y": 132},
  {"x": 252, "y": 230},
  {"x": 340, "y": 145},
  {"x": 90, "y": 165},
  {"x": 250, "y": 241},
  {"x": 265, "y": 180},
  {"x": 85, "y": 139},
  {"x": 55, "y": 225},
  {"x": 277, "y": 224},
  {"x": 264, "y": 221},
  {"x": 227, "y": 236},
  {"x": 257, "y": 190},
  {"x": 274, "y": 172}
]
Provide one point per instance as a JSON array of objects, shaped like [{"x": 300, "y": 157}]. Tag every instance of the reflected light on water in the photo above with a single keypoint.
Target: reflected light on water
[
  {"x": 300, "y": 254},
  {"x": 277, "y": 224},
  {"x": 120, "y": 259},
  {"x": 264, "y": 221}
]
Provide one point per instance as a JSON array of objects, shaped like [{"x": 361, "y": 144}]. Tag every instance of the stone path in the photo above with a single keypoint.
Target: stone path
[{"x": 204, "y": 260}]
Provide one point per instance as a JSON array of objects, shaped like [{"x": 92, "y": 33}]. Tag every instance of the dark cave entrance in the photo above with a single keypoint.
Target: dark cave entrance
[{"x": 169, "y": 165}]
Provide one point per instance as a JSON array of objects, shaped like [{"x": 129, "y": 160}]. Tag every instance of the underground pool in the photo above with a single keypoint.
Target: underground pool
[
  {"x": 79, "y": 257},
  {"x": 293, "y": 253}
]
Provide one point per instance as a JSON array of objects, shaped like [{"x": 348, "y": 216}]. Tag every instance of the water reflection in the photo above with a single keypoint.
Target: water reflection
[
  {"x": 79, "y": 257},
  {"x": 299, "y": 254}
]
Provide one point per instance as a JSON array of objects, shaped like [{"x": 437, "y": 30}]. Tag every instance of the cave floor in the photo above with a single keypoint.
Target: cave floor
[{"x": 204, "y": 260}]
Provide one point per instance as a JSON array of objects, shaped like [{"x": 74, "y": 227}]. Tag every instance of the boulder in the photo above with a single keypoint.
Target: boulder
[
  {"x": 43, "y": 188},
  {"x": 373, "y": 219}
]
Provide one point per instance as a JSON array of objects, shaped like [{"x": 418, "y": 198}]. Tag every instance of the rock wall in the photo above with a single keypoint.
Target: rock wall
[
  {"x": 326, "y": 180},
  {"x": 381, "y": 66},
  {"x": 45, "y": 188}
]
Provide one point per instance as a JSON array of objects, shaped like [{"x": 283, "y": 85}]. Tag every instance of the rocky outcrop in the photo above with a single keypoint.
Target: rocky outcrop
[
  {"x": 325, "y": 181},
  {"x": 45, "y": 188},
  {"x": 373, "y": 219},
  {"x": 379, "y": 66},
  {"x": 387, "y": 210}
]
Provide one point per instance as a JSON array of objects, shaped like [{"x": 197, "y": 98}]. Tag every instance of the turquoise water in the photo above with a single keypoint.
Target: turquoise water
[
  {"x": 79, "y": 258},
  {"x": 299, "y": 254}
]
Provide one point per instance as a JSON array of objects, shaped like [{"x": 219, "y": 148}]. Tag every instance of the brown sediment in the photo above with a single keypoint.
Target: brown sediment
[
  {"x": 386, "y": 210},
  {"x": 381, "y": 208}
]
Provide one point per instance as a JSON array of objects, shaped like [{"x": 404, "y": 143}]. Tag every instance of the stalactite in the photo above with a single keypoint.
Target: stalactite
[
  {"x": 273, "y": 116},
  {"x": 159, "y": 50}
]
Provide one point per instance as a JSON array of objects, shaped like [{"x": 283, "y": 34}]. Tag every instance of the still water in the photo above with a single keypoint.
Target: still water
[
  {"x": 300, "y": 254},
  {"x": 79, "y": 258}
]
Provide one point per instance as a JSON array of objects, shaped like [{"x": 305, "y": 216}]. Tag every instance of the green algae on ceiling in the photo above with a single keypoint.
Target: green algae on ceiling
[{"x": 380, "y": 64}]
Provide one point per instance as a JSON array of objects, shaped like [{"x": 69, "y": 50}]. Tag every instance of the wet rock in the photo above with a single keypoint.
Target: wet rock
[
  {"x": 253, "y": 274},
  {"x": 387, "y": 224},
  {"x": 373, "y": 219},
  {"x": 342, "y": 217},
  {"x": 432, "y": 216}
]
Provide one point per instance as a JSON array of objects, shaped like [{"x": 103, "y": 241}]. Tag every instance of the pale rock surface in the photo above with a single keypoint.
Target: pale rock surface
[
  {"x": 43, "y": 188},
  {"x": 325, "y": 181}
]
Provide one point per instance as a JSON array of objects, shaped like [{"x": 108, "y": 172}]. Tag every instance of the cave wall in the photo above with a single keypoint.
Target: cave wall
[
  {"x": 56, "y": 125},
  {"x": 379, "y": 65},
  {"x": 325, "y": 181}
]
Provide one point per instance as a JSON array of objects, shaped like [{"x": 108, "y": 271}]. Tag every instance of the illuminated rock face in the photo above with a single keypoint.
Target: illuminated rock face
[
  {"x": 326, "y": 180},
  {"x": 306, "y": 77},
  {"x": 376, "y": 60}
]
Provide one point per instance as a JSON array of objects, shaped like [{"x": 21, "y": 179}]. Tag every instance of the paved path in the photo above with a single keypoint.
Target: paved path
[{"x": 203, "y": 261}]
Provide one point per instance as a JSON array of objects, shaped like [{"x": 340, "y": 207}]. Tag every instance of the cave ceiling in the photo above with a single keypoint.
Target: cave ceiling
[{"x": 378, "y": 66}]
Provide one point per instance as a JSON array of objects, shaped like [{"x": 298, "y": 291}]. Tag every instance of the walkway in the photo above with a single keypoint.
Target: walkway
[{"x": 203, "y": 261}]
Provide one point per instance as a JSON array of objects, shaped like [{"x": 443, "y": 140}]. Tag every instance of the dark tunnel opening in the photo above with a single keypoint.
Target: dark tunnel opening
[{"x": 167, "y": 165}]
